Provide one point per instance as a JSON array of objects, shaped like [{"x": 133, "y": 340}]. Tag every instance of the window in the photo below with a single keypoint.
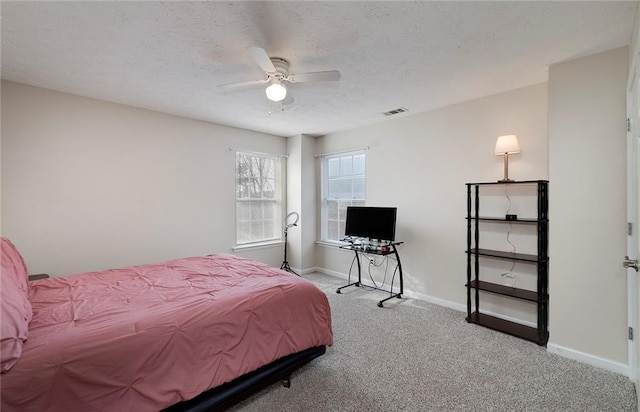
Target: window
[
  {"x": 258, "y": 198},
  {"x": 343, "y": 181}
]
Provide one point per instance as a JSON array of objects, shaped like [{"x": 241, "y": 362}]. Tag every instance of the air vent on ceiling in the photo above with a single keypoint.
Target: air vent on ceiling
[{"x": 396, "y": 111}]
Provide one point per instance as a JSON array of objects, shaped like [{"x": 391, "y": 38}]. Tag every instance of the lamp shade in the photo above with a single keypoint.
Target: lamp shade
[
  {"x": 507, "y": 144},
  {"x": 276, "y": 92}
]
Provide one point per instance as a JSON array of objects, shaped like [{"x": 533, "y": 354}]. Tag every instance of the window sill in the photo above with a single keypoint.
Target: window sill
[{"x": 256, "y": 246}]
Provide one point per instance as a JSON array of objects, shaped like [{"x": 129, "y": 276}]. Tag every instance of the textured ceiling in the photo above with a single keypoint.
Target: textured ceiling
[{"x": 419, "y": 55}]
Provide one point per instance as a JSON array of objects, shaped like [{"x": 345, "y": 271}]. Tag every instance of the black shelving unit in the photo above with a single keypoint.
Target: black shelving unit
[{"x": 540, "y": 296}]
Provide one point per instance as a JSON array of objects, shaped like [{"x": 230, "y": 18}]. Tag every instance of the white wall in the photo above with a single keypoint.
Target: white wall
[
  {"x": 633, "y": 45},
  {"x": 294, "y": 199},
  {"x": 308, "y": 215},
  {"x": 301, "y": 198},
  {"x": 88, "y": 184},
  {"x": 1, "y": 159},
  {"x": 420, "y": 164},
  {"x": 587, "y": 167}
]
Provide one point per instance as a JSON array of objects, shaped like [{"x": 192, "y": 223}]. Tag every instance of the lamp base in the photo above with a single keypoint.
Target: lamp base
[{"x": 506, "y": 181}]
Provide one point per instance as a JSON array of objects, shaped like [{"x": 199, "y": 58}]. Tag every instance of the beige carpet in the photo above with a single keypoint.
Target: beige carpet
[{"x": 415, "y": 356}]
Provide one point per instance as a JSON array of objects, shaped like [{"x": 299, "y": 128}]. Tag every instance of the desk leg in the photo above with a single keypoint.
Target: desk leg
[
  {"x": 395, "y": 295},
  {"x": 357, "y": 284}
]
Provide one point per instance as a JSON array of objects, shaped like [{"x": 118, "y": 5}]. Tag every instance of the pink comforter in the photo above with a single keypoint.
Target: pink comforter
[{"x": 146, "y": 337}]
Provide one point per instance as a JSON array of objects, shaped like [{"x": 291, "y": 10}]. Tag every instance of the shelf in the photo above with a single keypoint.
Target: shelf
[
  {"x": 522, "y": 182},
  {"x": 371, "y": 250},
  {"x": 499, "y": 254},
  {"x": 476, "y": 260},
  {"x": 503, "y": 220},
  {"x": 511, "y": 328},
  {"x": 505, "y": 290}
]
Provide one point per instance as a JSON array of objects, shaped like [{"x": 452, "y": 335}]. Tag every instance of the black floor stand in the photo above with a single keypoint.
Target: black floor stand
[{"x": 285, "y": 263}]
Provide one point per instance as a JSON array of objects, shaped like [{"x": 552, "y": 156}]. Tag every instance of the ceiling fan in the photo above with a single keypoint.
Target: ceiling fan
[{"x": 277, "y": 74}]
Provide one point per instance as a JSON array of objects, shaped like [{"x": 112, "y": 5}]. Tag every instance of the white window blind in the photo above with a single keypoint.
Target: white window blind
[
  {"x": 258, "y": 198},
  {"x": 343, "y": 178}
]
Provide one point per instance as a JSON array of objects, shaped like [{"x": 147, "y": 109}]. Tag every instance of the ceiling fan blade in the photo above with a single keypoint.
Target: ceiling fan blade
[
  {"x": 262, "y": 58},
  {"x": 328, "y": 76},
  {"x": 233, "y": 86}
]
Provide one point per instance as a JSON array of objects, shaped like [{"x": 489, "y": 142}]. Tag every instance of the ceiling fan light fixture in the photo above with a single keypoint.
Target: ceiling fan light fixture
[{"x": 276, "y": 91}]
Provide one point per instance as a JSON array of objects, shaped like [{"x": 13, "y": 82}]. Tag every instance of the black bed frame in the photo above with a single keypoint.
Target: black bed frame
[{"x": 230, "y": 393}]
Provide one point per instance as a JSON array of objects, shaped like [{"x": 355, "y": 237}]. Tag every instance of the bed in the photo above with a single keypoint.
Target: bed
[{"x": 188, "y": 334}]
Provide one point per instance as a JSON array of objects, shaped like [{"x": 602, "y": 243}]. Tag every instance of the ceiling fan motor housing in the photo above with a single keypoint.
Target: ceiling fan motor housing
[{"x": 282, "y": 67}]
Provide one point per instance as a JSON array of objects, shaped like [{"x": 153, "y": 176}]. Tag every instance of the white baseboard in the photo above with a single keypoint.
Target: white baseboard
[
  {"x": 330, "y": 272},
  {"x": 306, "y": 271},
  {"x": 599, "y": 362},
  {"x": 607, "y": 364},
  {"x": 436, "y": 301},
  {"x": 462, "y": 308}
]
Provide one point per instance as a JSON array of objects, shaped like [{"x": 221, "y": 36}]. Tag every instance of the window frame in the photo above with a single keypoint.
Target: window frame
[
  {"x": 324, "y": 176},
  {"x": 279, "y": 199}
]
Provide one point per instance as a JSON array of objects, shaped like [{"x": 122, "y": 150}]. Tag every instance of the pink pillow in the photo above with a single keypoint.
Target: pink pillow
[
  {"x": 13, "y": 265},
  {"x": 15, "y": 308},
  {"x": 15, "y": 311}
]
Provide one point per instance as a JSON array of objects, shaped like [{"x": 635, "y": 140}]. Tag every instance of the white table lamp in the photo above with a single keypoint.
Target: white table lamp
[{"x": 506, "y": 145}]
